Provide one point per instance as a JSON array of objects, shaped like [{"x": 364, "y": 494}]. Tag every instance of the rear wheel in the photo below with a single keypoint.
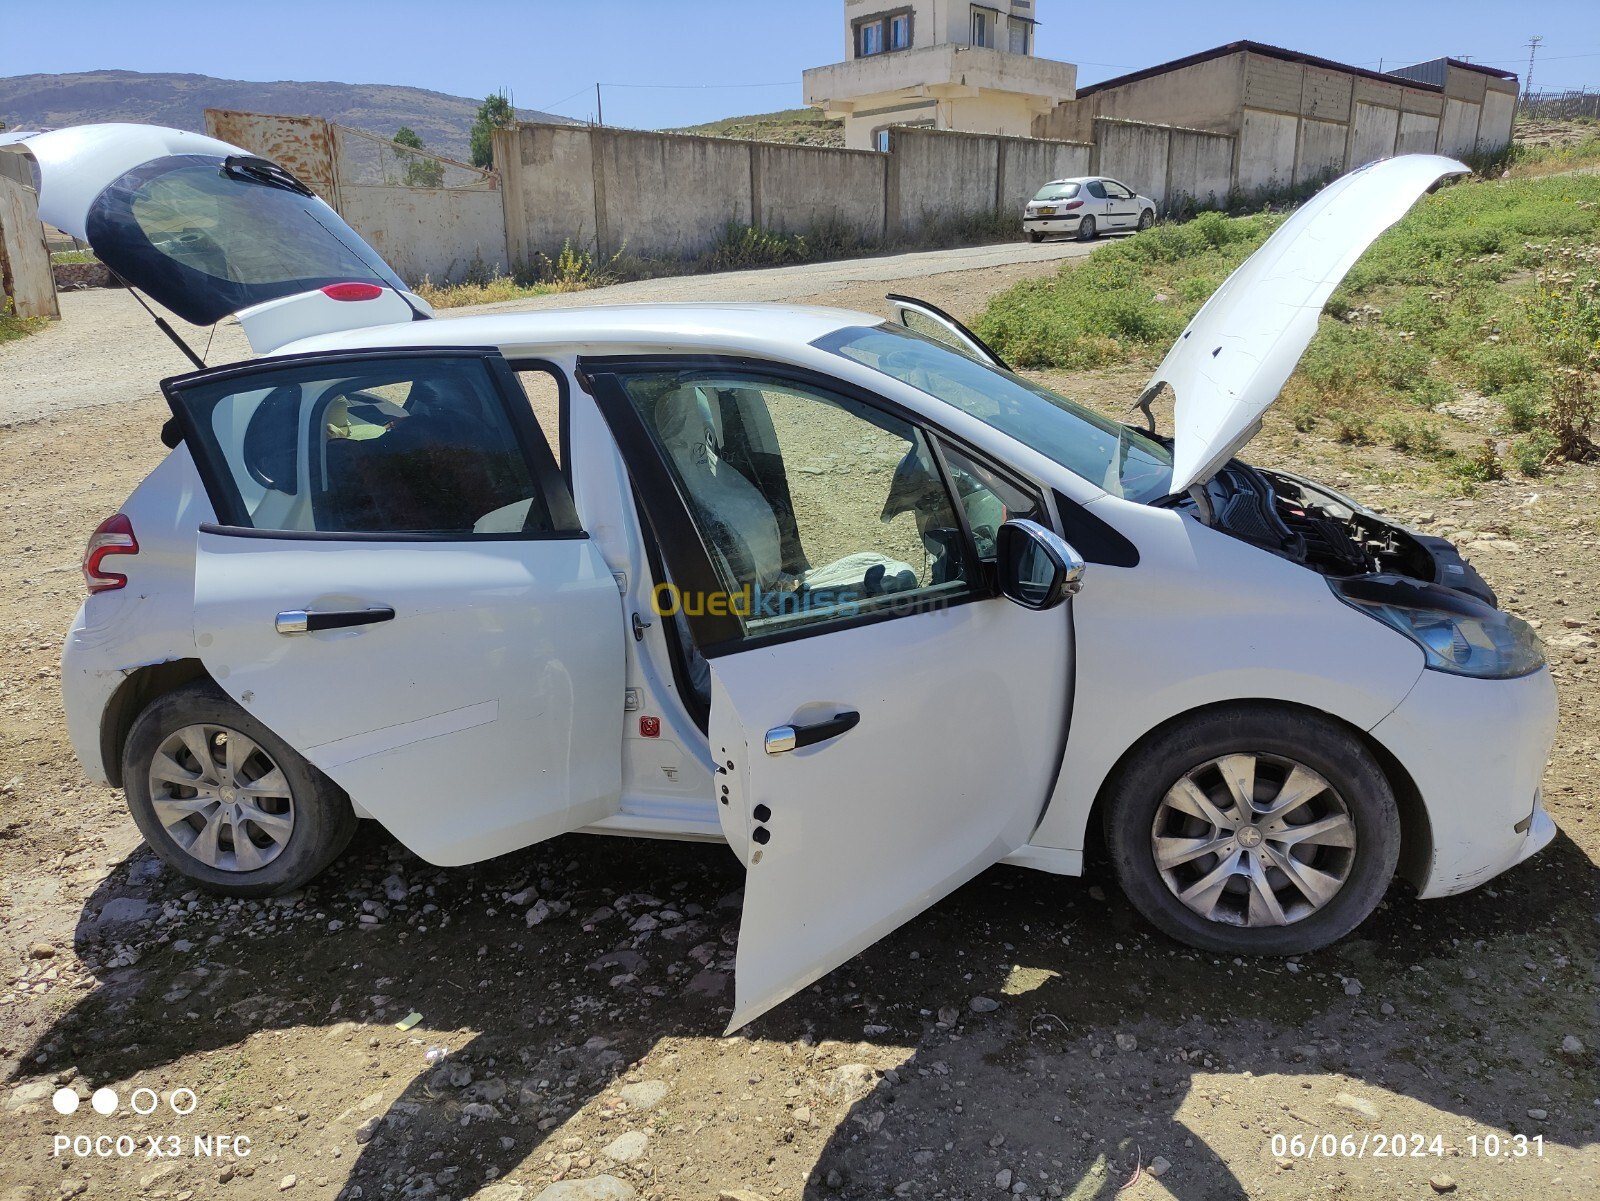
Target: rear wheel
[
  {"x": 1035, "y": 236},
  {"x": 1086, "y": 230},
  {"x": 225, "y": 801},
  {"x": 1254, "y": 830}
]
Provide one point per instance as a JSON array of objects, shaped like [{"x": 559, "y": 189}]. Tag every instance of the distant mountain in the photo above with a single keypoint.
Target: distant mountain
[
  {"x": 444, "y": 122},
  {"x": 797, "y": 126}
]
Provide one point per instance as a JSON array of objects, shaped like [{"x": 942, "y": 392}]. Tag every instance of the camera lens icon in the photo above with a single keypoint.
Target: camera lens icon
[
  {"x": 104, "y": 1101},
  {"x": 65, "y": 1101}
]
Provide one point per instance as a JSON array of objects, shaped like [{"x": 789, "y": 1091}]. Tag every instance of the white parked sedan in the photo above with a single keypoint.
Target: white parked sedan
[
  {"x": 1086, "y": 207},
  {"x": 861, "y": 602}
]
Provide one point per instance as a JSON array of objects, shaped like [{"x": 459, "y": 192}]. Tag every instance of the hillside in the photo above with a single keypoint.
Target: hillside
[
  {"x": 51, "y": 101},
  {"x": 802, "y": 126}
]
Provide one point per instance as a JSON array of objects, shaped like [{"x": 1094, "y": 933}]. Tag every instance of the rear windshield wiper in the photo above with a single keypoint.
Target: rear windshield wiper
[{"x": 262, "y": 171}]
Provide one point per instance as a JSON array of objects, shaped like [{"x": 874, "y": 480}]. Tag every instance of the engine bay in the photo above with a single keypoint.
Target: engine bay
[{"x": 1311, "y": 524}]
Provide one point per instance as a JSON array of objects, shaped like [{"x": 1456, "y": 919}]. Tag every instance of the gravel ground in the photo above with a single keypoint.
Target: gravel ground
[{"x": 1030, "y": 1036}]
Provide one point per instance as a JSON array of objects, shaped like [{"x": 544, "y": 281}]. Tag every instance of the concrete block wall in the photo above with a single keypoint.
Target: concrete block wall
[{"x": 1174, "y": 167}]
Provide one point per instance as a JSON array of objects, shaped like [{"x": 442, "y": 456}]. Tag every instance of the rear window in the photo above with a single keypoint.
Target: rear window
[
  {"x": 1057, "y": 191},
  {"x": 205, "y": 241}
]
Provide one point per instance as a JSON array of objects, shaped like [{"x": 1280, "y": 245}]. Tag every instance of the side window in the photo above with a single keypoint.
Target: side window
[
  {"x": 1096, "y": 189},
  {"x": 811, "y": 506},
  {"x": 988, "y": 499},
  {"x": 1117, "y": 191},
  {"x": 546, "y": 398},
  {"x": 410, "y": 445}
]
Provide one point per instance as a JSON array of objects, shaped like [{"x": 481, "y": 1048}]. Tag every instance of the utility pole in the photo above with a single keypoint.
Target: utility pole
[
  {"x": 600, "y": 113},
  {"x": 1533, "y": 49}
]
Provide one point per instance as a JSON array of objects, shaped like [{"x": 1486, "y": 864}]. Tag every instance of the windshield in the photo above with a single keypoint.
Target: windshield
[
  {"x": 1121, "y": 460},
  {"x": 1057, "y": 191},
  {"x": 205, "y": 241}
]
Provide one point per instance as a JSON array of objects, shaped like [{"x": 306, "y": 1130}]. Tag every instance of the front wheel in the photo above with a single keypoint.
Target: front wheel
[
  {"x": 1086, "y": 230},
  {"x": 225, "y": 801},
  {"x": 1147, "y": 218},
  {"x": 1254, "y": 830}
]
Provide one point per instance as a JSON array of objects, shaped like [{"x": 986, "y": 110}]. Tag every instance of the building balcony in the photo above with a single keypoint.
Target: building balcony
[{"x": 941, "y": 72}]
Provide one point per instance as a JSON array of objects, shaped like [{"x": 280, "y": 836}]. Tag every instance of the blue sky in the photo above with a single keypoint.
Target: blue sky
[{"x": 673, "y": 62}]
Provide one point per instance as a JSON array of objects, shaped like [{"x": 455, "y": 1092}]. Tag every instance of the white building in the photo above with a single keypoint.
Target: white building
[{"x": 941, "y": 64}]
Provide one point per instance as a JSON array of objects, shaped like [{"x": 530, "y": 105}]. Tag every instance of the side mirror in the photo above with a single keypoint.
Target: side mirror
[{"x": 1036, "y": 568}]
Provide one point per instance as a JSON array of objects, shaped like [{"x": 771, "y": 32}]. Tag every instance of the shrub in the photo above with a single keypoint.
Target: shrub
[
  {"x": 1531, "y": 452},
  {"x": 1571, "y": 416},
  {"x": 1524, "y": 406},
  {"x": 1352, "y": 428},
  {"x": 1481, "y": 466},
  {"x": 1501, "y": 366},
  {"x": 1411, "y": 436}
]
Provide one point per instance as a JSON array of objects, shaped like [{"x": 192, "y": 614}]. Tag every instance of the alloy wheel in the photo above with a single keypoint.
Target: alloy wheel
[
  {"x": 221, "y": 797},
  {"x": 1253, "y": 840}
]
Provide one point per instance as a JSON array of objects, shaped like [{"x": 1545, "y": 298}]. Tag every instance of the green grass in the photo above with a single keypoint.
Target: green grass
[
  {"x": 1128, "y": 298},
  {"x": 13, "y": 327},
  {"x": 1487, "y": 288}
]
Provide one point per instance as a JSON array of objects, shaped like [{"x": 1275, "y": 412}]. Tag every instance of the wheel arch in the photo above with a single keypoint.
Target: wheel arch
[
  {"x": 1416, "y": 830},
  {"x": 142, "y": 686}
]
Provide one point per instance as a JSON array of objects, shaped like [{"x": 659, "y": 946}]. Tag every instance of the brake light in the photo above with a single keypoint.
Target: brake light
[
  {"x": 113, "y": 536},
  {"x": 352, "y": 291},
  {"x": 1076, "y": 204}
]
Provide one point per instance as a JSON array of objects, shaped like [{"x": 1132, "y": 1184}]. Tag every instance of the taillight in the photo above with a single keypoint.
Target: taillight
[
  {"x": 352, "y": 291},
  {"x": 113, "y": 536},
  {"x": 1076, "y": 204}
]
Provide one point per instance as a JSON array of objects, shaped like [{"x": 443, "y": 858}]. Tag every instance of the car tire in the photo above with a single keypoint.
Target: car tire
[
  {"x": 1086, "y": 230},
  {"x": 254, "y": 820},
  {"x": 1147, "y": 218},
  {"x": 1034, "y": 236},
  {"x": 1343, "y": 866}
]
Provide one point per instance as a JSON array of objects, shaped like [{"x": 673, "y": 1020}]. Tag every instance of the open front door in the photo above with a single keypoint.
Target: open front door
[
  {"x": 397, "y": 586},
  {"x": 920, "y": 317},
  {"x": 885, "y": 727}
]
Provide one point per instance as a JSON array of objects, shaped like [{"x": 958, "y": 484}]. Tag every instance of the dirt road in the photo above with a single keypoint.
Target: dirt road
[{"x": 1030, "y": 1036}]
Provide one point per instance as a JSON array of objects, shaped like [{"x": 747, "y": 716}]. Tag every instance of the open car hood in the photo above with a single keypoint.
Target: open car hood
[
  {"x": 1229, "y": 365},
  {"x": 208, "y": 230}
]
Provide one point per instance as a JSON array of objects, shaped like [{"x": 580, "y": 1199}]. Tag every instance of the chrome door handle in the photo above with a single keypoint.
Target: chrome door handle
[
  {"x": 791, "y": 738},
  {"x": 305, "y": 621}
]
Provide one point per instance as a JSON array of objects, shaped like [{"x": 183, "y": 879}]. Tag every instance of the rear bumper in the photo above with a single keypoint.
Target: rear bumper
[
  {"x": 1476, "y": 750},
  {"x": 1052, "y": 225}
]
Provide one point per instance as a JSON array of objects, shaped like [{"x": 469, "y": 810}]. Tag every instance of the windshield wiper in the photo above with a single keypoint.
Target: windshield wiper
[{"x": 262, "y": 171}]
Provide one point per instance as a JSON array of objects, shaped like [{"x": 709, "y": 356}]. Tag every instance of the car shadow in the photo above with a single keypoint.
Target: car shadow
[{"x": 894, "y": 1080}]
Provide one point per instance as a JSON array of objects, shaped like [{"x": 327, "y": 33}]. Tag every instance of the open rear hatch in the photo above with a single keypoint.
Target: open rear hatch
[{"x": 208, "y": 230}]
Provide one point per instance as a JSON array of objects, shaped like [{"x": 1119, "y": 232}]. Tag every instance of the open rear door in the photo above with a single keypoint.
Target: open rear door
[{"x": 398, "y": 587}]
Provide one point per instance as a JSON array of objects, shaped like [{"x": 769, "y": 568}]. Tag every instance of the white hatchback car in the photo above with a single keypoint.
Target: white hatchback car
[
  {"x": 1086, "y": 207},
  {"x": 862, "y": 602}
]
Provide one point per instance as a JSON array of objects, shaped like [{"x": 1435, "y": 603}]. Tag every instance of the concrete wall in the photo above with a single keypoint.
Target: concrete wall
[
  {"x": 1027, "y": 164},
  {"x": 936, "y": 175},
  {"x": 25, "y": 278},
  {"x": 1135, "y": 154},
  {"x": 440, "y": 234},
  {"x": 1322, "y": 150},
  {"x": 1418, "y": 134},
  {"x": 1373, "y": 133},
  {"x": 667, "y": 195},
  {"x": 1494, "y": 122},
  {"x": 1199, "y": 169},
  {"x": 1458, "y": 129},
  {"x": 1267, "y": 144},
  {"x": 795, "y": 188}
]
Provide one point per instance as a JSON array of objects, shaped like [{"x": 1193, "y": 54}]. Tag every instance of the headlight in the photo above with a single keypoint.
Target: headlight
[{"x": 1457, "y": 633}]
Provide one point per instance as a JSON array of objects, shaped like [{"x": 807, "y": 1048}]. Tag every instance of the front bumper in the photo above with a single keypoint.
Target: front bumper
[{"x": 1476, "y": 750}]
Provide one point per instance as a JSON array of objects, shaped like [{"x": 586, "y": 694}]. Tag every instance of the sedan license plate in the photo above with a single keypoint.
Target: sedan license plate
[{"x": 1047, "y": 212}]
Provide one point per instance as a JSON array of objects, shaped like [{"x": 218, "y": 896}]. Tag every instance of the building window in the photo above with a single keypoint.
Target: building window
[
  {"x": 883, "y": 32},
  {"x": 982, "y": 29},
  {"x": 880, "y": 139},
  {"x": 1019, "y": 35}
]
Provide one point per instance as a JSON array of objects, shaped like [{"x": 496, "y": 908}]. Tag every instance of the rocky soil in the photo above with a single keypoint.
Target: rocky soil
[{"x": 1030, "y": 1036}]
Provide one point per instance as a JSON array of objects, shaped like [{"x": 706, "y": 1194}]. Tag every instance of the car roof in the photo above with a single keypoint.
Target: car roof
[
  {"x": 618, "y": 329},
  {"x": 1076, "y": 179}
]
